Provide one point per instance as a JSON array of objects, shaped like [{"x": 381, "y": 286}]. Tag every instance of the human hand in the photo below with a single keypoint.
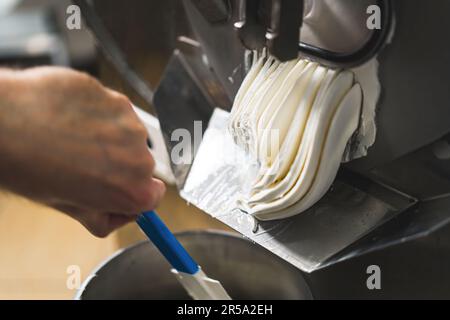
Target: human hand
[{"x": 69, "y": 142}]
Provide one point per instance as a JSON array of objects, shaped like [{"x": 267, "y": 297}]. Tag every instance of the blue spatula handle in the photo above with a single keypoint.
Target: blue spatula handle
[{"x": 166, "y": 242}]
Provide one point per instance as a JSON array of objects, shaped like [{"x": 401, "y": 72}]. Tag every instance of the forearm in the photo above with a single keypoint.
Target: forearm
[
  {"x": 12, "y": 95},
  {"x": 10, "y": 91}
]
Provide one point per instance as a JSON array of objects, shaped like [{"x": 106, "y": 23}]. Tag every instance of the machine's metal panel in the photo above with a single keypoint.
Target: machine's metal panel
[
  {"x": 222, "y": 47},
  {"x": 220, "y": 172},
  {"x": 338, "y": 26},
  {"x": 181, "y": 101},
  {"x": 414, "y": 108},
  {"x": 416, "y": 269},
  {"x": 420, "y": 220}
]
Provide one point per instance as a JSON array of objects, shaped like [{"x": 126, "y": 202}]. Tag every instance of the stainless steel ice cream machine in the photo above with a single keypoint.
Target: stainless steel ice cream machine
[{"x": 388, "y": 205}]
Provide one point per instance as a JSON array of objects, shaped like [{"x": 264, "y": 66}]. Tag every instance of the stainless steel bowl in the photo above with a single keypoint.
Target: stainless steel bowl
[{"x": 245, "y": 269}]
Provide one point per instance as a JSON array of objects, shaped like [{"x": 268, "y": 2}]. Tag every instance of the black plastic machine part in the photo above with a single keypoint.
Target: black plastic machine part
[
  {"x": 275, "y": 24},
  {"x": 362, "y": 55}
]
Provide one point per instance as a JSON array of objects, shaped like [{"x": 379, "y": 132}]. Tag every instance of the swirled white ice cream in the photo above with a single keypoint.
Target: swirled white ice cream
[{"x": 296, "y": 119}]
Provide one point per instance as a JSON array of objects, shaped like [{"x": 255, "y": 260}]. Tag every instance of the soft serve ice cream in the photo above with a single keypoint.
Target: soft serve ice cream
[{"x": 310, "y": 112}]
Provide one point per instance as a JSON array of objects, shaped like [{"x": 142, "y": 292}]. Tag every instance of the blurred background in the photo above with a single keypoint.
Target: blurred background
[{"x": 38, "y": 244}]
